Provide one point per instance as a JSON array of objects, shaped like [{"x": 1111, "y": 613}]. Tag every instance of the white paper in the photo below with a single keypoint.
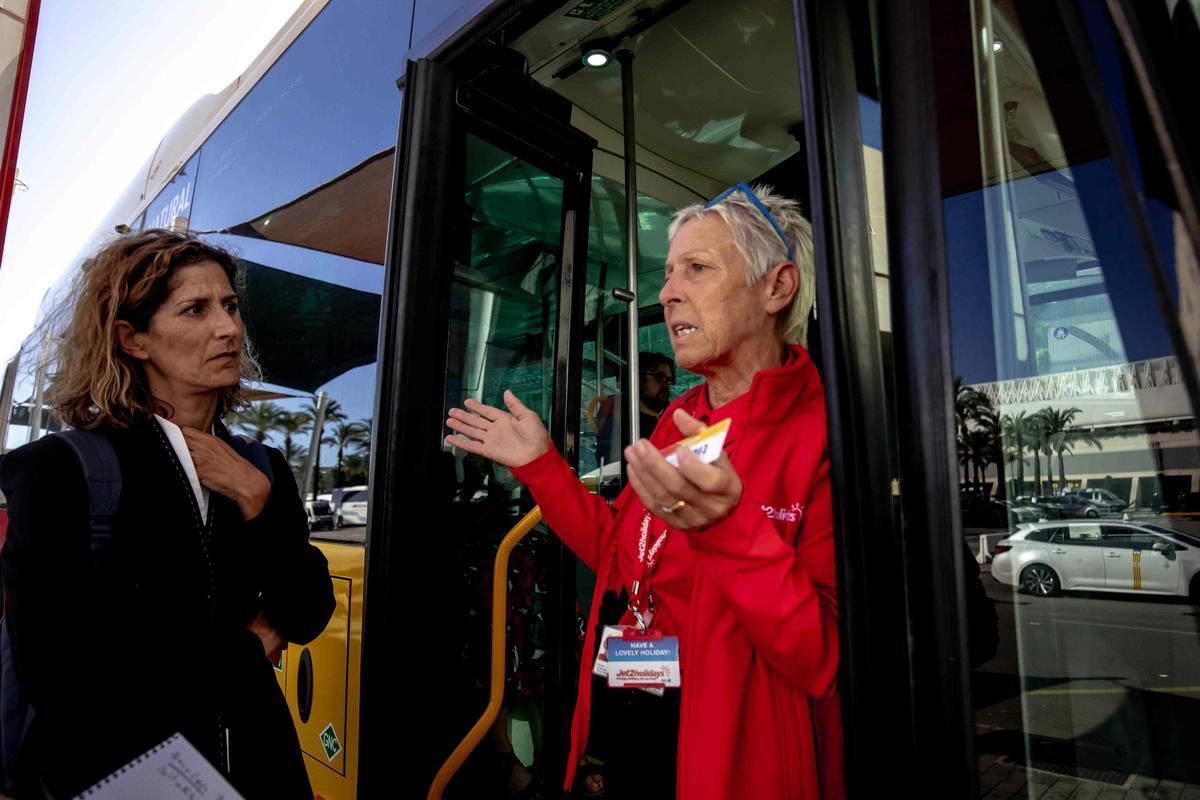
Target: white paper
[{"x": 174, "y": 770}]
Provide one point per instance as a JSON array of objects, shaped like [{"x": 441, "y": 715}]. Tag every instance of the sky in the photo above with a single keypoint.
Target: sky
[{"x": 108, "y": 80}]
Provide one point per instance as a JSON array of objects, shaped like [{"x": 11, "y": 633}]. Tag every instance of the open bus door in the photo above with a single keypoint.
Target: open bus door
[{"x": 487, "y": 255}]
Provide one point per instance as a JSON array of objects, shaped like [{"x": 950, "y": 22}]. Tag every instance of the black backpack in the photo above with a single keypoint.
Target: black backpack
[{"x": 102, "y": 472}]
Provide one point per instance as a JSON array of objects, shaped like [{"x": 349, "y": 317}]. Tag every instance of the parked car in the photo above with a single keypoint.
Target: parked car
[
  {"x": 1066, "y": 506},
  {"x": 1101, "y": 498},
  {"x": 352, "y": 510},
  {"x": 320, "y": 514},
  {"x": 1047, "y": 558},
  {"x": 1019, "y": 512},
  {"x": 1004, "y": 514}
]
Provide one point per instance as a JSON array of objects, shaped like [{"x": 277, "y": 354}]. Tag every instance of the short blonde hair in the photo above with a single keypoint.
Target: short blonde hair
[
  {"x": 762, "y": 248},
  {"x": 93, "y": 381}
]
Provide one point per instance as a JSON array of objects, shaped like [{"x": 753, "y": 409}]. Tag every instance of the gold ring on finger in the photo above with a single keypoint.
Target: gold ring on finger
[{"x": 671, "y": 509}]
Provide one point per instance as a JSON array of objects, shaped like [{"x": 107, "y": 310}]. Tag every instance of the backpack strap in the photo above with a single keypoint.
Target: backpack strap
[
  {"x": 102, "y": 472},
  {"x": 255, "y": 452}
]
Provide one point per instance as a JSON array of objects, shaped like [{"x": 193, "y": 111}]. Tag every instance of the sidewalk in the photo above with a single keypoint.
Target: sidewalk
[{"x": 1001, "y": 780}]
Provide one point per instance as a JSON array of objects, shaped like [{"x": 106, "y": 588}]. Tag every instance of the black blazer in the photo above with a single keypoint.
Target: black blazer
[{"x": 119, "y": 652}]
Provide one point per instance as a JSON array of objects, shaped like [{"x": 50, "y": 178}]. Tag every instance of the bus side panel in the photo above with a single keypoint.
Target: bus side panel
[{"x": 331, "y": 662}]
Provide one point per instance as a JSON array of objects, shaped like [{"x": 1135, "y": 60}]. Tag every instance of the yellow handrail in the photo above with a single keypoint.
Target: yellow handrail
[{"x": 499, "y": 650}]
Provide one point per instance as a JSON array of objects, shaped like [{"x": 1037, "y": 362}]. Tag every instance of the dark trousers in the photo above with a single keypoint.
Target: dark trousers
[{"x": 636, "y": 735}]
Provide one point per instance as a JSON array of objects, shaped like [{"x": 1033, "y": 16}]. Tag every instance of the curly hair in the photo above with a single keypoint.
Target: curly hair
[{"x": 93, "y": 381}]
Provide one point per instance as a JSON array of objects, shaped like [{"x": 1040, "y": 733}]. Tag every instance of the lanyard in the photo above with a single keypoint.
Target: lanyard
[{"x": 640, "y": 601}]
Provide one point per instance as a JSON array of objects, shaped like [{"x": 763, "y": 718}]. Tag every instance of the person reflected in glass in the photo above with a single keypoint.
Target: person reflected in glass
[
  {"x": 654, "y": 395},
  {"x": 208, "y": 573},
  {"x": 745, "y": 570}
]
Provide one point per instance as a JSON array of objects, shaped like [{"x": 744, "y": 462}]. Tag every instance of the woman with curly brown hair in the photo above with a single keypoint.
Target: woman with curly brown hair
[{"x": 208, "y": 573}]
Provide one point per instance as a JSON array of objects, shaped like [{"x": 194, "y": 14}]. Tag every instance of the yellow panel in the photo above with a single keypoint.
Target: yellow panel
[{"x": 335, "y": 658}]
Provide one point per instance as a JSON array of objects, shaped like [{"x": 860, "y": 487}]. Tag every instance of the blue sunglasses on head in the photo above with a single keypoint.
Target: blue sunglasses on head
[{"x": 742, "y": 187}]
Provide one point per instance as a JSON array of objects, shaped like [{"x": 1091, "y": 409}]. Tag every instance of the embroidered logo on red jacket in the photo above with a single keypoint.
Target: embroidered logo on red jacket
[{"x": 781, "y": 514}]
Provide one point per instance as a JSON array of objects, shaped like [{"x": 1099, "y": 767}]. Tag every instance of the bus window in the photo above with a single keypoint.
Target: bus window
[
  {"x": 326, "y": 106},
  {"x": 1062, "y": 244}
]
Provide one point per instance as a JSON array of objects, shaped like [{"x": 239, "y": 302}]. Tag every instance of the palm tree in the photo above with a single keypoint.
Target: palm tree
[
  {"x": 994, "y": 451},
  {"x": 1065, "y": 441},
  {"x": 965, "y": 457},
  {"x": 346, "y": 434},
  {"x": 1014, "y": 429},
  {"x": 259, "y": 419},
  {"x": 355, "y": 469},
  {"x": 968, "y": 403},
  {"x": 1035, "y": 437},
  {"x": 364, "y": 447},
  {"x": 293, "y": 424},
  {"x": 1056, "y": 421}
]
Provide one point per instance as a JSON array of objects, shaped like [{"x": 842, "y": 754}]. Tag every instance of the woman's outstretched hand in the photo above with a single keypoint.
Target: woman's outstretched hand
[{"x": 512, "y": 438}]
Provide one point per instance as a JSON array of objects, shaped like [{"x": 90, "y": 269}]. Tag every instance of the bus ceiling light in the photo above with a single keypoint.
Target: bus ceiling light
[
  {"x": 597, "y": 53},
  {"x": 997, "y": 46}
]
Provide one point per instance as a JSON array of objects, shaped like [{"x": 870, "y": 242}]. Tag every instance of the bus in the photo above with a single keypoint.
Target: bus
[{"x": 435, "y": 200}]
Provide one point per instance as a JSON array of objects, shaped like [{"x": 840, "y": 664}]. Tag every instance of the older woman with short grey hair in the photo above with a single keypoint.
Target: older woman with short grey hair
[{"x": 735, "y": 557}]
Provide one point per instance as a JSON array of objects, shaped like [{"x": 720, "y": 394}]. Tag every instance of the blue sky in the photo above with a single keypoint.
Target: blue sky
[{"x": 108, "y": 80}]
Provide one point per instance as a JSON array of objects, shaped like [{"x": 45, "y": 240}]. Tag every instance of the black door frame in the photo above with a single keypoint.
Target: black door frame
[
  {"x": 876, "y": 678},
  {"x": 403, "y": 564},
  {"x": 931, "y": 531}
]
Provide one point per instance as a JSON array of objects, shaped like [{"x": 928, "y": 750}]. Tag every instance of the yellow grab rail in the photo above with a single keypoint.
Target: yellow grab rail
[{"x": 499, "y": 650}]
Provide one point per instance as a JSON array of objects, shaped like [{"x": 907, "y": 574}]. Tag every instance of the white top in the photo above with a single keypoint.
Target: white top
[{"x": 179, "y": 444}]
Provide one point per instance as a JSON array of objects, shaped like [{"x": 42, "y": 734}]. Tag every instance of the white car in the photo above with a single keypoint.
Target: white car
[
  {"x": 352, "y": 509},
  {"x": 1049, "y": 557}
]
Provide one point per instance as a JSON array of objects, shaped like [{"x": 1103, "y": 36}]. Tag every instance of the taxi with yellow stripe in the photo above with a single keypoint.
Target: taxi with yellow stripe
[{"x": 1047, "y": 558}]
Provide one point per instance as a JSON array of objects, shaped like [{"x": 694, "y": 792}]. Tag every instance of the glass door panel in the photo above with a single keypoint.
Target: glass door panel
[{"x": 503, "y": 316}]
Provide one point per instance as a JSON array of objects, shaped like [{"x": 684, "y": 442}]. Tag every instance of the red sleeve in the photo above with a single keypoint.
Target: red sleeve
[
  {"x": 583, "y": 520},
  {"x": 784, "y": 596}
]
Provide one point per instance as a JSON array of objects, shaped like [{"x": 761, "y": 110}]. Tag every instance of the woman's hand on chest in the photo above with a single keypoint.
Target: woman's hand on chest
[
  {"x": 272, "y": 642},
  {"x": 692, "y": 497},
  {"x": 222, "y": 470}
]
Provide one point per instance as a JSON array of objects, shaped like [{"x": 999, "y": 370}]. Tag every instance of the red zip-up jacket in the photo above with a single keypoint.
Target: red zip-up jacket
[{"x": 752, "y": 598}]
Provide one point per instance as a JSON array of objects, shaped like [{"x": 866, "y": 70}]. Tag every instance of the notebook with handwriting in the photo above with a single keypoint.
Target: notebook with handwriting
[{"x": 173, "y": 770}]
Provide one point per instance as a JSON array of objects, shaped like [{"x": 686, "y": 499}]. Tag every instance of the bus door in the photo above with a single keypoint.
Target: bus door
[{"x": 488, "y": 254}]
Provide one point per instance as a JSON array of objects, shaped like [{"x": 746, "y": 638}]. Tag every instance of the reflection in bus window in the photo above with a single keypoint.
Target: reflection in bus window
[
  {"x": 313, "y": 319},
  {"x": 1069, "y": 407},
  {"x": 328, "y": 104}
]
